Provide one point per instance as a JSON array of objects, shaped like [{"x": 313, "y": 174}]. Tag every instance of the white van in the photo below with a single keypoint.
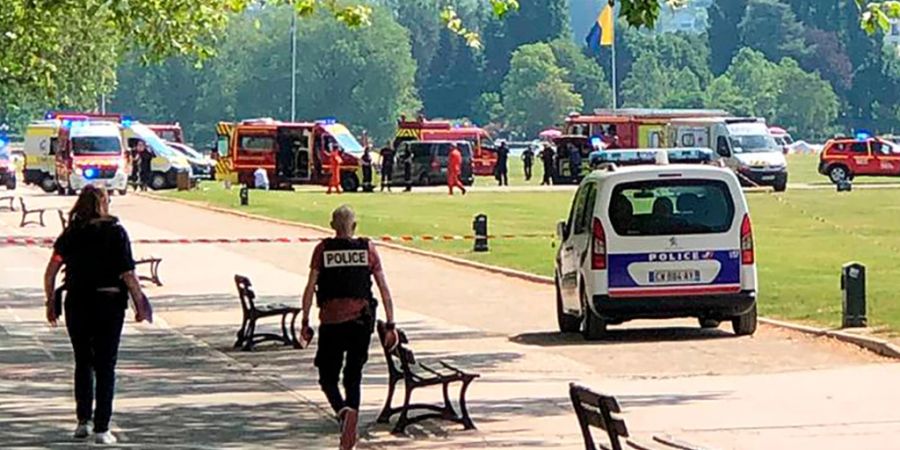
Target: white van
[
  {"x": 41, "y": 141},
  {"x": 743, "y": 144},
  {"x": 167, "y": 162},
  {"x": 656, "y": 241}
]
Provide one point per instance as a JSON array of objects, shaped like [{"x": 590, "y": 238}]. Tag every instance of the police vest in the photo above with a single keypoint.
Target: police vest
[{"x": 344, "y": 270}]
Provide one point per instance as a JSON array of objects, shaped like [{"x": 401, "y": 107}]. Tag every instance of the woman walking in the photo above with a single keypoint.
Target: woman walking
[{"x": 99, "y": 276}]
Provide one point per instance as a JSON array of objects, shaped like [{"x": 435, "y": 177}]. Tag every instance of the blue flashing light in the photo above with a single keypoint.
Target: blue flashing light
[
  {"x": 126, "y": 122},
  {"x": 596, "y": 142},
  {"x": 90, "y": 173},
  {"x": 862, "y": 135},
  {"x": 327, "y": 121},
  {"x": 648, "y": 156}
]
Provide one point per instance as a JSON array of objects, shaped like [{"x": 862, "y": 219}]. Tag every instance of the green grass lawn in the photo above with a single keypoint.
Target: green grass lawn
[{"x": 803, "y": 237}]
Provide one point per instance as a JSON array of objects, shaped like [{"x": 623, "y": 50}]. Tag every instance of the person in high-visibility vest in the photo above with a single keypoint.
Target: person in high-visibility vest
[
  {"x": 334, "y": 165},
  {"x": 454, "y": 170}
]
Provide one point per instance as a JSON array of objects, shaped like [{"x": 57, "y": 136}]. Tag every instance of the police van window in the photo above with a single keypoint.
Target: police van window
[
  {"x": 859, "y": 147},
  {"x": 667, "y": 207},
  {"x": 687, "y": 140},
  {"x": 584, "y": 207},
  {"x": 257, "y": 143}
]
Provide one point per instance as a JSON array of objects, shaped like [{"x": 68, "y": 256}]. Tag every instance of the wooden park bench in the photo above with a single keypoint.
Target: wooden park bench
[
  {"x": 26, "y": 213},
  {"x": 10, "y": 203},
  {"x": 402, "y": 365},
  {"x": 247, "y": 336},
  {"x": 601, "y": 411},
  {"x": 153, "y": 263}
]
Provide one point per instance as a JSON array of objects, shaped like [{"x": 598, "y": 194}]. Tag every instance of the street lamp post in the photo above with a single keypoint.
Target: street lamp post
[{"x": 293, "y": 65}]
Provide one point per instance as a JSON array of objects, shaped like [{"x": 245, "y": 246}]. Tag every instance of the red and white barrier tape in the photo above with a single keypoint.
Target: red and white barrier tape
[{"x": 25, "y": 241}]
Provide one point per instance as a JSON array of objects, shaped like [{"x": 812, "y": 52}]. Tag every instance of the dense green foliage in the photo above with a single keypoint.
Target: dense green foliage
[{"x": 368, "y": 64}]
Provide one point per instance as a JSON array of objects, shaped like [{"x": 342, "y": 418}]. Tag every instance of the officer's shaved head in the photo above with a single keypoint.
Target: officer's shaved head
[{"x": 343, "y": 220}]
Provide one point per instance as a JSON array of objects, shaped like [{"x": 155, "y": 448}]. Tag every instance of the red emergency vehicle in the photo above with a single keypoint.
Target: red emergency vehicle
[
  {"x": 484, "y": 158},
  {"x": 90, "y": 150},
  {"x": 168, "y": 132},
  {"x": 292, "y": 153},
  {"x": 845, "y": 158},
  {"x": 635, "y": 127}
]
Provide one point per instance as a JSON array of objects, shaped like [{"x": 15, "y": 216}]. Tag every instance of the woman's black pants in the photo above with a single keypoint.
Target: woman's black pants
[{"x": 95, "y": 327}]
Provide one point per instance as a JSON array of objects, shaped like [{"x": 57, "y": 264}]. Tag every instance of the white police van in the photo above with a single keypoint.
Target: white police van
[{"x": 661, "y": 240}]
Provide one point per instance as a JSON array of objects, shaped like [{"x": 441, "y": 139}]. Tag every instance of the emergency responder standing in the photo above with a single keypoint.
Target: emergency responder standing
[
  {"x": 502, "y": 169},
  {"x": 574, "y": 162},
  {"x": 547, "y": 162},
  {"x": 528, "y": 162},
  {"x": 99, "y": 277},
  {"x": 334, "y": 166},
  {"x": 145, "y": 164},
  {"x": 340, "y": 275},
  {"x": 366, "y": 162},
  {"x": 454, "y": 170},
  {"x": 406, "y": 158},
  {"x": 387, "y": 166}
]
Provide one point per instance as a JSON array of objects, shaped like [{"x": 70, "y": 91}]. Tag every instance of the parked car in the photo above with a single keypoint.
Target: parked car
[
  {"x": 202, "y": 166},
  {"x": 430, "y": 162},
  {"x": 656, "y": 241},
  {"x": 845, "y": 158}
]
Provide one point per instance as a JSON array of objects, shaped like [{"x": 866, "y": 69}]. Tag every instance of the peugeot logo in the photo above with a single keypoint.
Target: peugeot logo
[{"x": 673, "y": 242}]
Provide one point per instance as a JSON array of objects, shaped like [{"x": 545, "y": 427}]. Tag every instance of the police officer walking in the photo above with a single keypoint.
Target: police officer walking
[
  {"x": 502, "y": 169},
  {"x": 99, "y": 276},
  {"x": 340, "y": 276},
  {"x": 387, "y": 166},
  {"x": 528, "y": 162},
  {"x": 547, "y": 161}
]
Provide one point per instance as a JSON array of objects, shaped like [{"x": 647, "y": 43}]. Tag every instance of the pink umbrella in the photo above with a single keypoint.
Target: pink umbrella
[{"x": 550, "y": 133}]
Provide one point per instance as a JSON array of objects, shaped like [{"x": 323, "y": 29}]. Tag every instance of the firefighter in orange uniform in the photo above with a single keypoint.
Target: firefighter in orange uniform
[
  {"x": 454, "y": 170},
  {"x": 334, "y": 165}
]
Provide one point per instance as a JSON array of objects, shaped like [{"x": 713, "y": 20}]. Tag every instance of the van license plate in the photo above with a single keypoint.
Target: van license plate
[
  {"x": 768, "y": 177},
  {"x": 674, "y": 276}
]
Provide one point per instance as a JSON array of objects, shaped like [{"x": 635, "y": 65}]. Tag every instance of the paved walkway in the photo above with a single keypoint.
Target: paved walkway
[{"x": 181, "y": 384}]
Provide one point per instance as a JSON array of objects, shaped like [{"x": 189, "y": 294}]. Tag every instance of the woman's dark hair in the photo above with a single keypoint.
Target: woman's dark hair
[{"x": 89, "y": 205}]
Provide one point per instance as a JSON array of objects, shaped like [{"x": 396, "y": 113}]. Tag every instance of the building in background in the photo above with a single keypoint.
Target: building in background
[
  {"x": 892, "y": 37},
  {"x": 692, "y": 18}
]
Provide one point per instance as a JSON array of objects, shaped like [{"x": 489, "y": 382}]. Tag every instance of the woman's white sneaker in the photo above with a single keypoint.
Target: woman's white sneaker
[
  {"x": 105, "y": 437},
  {"x": 82, "y": 431}
]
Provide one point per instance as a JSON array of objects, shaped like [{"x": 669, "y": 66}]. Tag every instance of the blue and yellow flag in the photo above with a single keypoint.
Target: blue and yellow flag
[{"x": 603, "y": 31}]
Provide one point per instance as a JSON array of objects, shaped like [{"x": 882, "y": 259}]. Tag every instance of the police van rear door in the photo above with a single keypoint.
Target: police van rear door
[{"x": 674, "y": 235}]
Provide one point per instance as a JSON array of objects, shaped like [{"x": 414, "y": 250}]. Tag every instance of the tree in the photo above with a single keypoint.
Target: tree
[
  {"x": 535, "y": 96},
  {"x": 454, "y": 81},
  {"x": 647, "y": 86},
  {"x": 723, "y": 94},
  {"x": 488, "y": 108},
  {"x": 772, "y": 28},
  {"x": 828, "y": 57},
  {"x": 806, "y": 103},
  {"x": 756, "y": 78},
  {"x": 583, "y": 73}
]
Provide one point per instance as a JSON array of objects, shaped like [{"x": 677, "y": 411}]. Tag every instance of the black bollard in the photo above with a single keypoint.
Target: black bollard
[
  {"x": 853, "y": 287},
  {"x": 480, "y": 229},
  {"x": 245, "y": 195}
]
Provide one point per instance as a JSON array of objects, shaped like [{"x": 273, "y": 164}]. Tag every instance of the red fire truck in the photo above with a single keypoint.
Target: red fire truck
[
  {"x": 635, "y": 127},
  {"x": 484, "y": 159},
  {"x": 292, "y": 153}
]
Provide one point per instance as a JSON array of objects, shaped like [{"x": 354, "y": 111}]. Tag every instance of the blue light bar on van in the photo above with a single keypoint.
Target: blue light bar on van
[
  {"x": 327, "y": 121},
  {"x": 630, "y": 157}
]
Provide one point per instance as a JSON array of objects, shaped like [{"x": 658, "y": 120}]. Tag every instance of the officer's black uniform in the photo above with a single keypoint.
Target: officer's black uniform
[
  {"x": 95, "y": 255},
  {"x": 344, "y": 274}
]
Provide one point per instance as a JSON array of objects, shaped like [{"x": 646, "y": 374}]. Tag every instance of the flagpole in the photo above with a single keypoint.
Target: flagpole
[{"x": 615, "y": 97}]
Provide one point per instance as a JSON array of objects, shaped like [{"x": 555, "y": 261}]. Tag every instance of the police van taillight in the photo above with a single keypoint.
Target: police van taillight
[
  {"x": 747, "y": 256},
  {"x": 598, "y": 246}
]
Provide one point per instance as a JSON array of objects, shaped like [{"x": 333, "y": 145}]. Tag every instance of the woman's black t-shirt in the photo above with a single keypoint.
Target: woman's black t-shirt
[{"x": 95, "y": 254}]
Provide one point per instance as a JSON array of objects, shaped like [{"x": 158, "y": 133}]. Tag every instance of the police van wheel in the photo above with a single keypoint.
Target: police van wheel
[
  {"x": 708, "y": 323},
  {"x": 349, "y": 183},
  {"x": 592, "y": 327},
  {"x": 567, "y": 323},
  {"x": 158, "y": 182},
  {"x": 48, "y": 185},
  {"x": 745, "y": 324},
  {"x": 122, "y": 191}
]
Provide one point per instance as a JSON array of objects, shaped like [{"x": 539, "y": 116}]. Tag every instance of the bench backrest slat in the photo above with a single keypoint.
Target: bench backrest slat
[
  {"x": 245, "y": 292},
  {"x": 596, "y": 410}
]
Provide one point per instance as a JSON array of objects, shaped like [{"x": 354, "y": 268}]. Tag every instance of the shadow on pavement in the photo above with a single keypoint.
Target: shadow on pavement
[{"x": 621, "y": 336}]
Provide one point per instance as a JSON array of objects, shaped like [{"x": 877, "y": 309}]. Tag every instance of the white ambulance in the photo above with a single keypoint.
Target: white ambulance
[{"x": 656, "y": 240}]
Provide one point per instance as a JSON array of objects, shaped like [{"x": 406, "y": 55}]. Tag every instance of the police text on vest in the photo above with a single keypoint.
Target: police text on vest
[{"x": 346, "y": 258}]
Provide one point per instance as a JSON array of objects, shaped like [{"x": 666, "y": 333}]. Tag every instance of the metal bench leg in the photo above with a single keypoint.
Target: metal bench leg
[
  {"x": 385, "y": 415},
  {"x": 466, "y": 420},
  {"x": 24, "y": 215},
  {"x": 41, "y": 218},
  {"x": 154, "y": 272},
  {"x": 403, "y": 421},
  {"x": 240, "y": 334},
  {"x": 294, "y": 338},
  {"x": 284, "y": 333},
  {"x": 449, "y": 412},
  {"x": 248, "y": 335}
]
